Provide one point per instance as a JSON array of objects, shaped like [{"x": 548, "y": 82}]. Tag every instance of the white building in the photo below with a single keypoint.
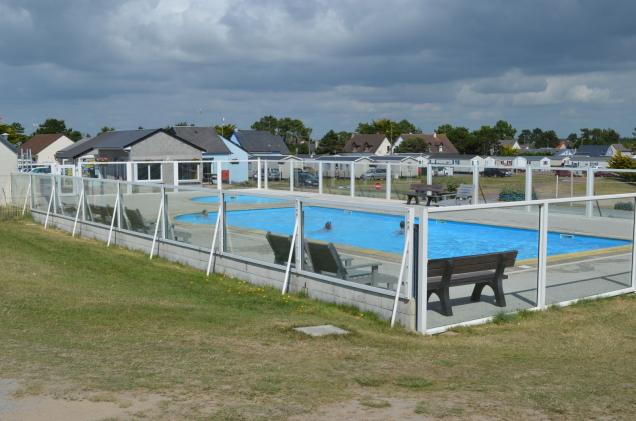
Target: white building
[
  {"x": 8, "y": 165},
  {"x": 43, "y": 147}
]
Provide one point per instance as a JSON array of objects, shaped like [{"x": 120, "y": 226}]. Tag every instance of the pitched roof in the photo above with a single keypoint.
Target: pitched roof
[
  {"x": 434, "y": 141},
  {"x": 507, "y": 142},
  {"x": 452, "y": 156},
  {"x": 593, "y": 150},
  {"x": 39, "y": 142},
  {"x": 109, "y": 140},
  {"x": 621, "y": 148},
  {"x": 364, "y": 142},
  {"x": 261, "y": 141},
  {"x": 8, "y": 144},
  {"x": 204, "y": 137}
]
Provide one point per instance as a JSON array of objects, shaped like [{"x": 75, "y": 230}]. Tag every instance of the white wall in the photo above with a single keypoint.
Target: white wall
[{"x": 47, "y": 155}]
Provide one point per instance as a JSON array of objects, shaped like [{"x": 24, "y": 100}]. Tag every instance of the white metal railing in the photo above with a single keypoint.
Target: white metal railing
[{"x": 411, "y": 262}]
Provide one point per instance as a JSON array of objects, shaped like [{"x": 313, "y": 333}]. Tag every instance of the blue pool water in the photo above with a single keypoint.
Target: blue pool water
[
  {"x": 382, "y": 232},
  {"x": 237, "y": 199}
]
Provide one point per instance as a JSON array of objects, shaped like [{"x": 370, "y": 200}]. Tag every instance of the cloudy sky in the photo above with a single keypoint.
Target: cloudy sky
[{"x": 561, "y": 64}]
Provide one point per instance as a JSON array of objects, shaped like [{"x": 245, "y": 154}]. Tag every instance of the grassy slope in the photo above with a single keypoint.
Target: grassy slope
[{"x": 76, "y": 313}]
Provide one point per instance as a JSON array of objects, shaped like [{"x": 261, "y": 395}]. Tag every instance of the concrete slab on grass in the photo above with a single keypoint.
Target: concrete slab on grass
[{"x": 323, "y": 330}]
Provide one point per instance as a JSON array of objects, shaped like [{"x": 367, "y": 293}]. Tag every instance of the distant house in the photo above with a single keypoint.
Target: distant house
[
  {"x": 437, "y": 143},
  {"x": 215, "y": 148},
  {"x": 8, "y": 159},
  {"x": 462, "y": 162},
  {"x": 564, "y": 144},
  {"x": 539, "y": 162},
  {"x": 336, "y": 166},
  {"x": 579, "y": 161},
  {"x": 376, "y": 144},
  {"x": 509, "y": 143},
  {"x": 279, "y": 162},
  {"x": 259, "y": 142},
  {"x": 505, "y": 161},
  {"x": 603, "y": 150},
  {"x": 401, "y": 165},
  {"x": 135, "y": 146},
  {"x": 43, "y": 147}
]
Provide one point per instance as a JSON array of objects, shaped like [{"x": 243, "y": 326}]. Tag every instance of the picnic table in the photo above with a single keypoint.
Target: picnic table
[{"x": 430, "y": 192}]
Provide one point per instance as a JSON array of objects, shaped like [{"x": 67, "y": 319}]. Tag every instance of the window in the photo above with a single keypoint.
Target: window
[
  {"x": 188, "y": 171},
  {"x": 148, "y": 172}
]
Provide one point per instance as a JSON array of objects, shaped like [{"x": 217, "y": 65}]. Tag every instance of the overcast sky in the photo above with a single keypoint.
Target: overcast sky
[{"x": 560, "y": 64}]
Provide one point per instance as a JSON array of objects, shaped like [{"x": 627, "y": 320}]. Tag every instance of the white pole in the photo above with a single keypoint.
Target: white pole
[
  {"x": 154, "y": 238},
  {"x": 258, "y": 172},
  {"x": 291, "y": 175},
  {"x": 48, "y": 211},
  {"x": 422, "y": 271},
  {"x": 634, "y": 247},
  {"x": 112, "y": 222},
  {"x": 291, "y": 254},
  {"x": 388, "y": 181},
  {"x": 299, "y": 236},
  {"x": 410, "y": 225},
  {"x": 27, "y": 196},
  {"x": 589, "y": 191},
  {"x": 352, "y": 180},
  {"x": 219, "y": 176},
  {"x": 266, "y": 175},
  {"x": 175, "y": 173},
  {"x": 213, "y": 246},
  {"x": 543, "y": 255},
  {"x": 429, "y": 174},
  {"x": 400, "y": 276},
  {"x": 528, "y": 188},
  {"x": 556, "y": 190},
  {"x": 320, "y": 188},
  {"x": 79, "y": 209},
  {"x": 475, "y": 184}
]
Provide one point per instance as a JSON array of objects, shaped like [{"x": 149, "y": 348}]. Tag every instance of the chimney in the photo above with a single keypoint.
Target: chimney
[{"x": 5, "y": 136}]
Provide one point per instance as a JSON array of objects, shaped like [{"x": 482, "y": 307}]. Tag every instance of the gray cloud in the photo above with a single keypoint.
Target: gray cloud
[{"x": 331, "y": 63}]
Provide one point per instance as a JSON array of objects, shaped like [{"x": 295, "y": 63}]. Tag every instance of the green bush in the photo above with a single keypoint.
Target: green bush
[
  {"x": 626, "y": 206},
  {"x": 513, "y": 194},
  {"x": 452, "y": 186}
]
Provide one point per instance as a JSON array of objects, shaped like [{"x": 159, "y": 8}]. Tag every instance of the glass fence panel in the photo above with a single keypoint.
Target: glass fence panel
[
  {"x": 481, "y": 263},
  {"x": 403, "y": 176},
  {"x": 502, "y": 184},
  {"x": 447, "y": 181},
  {"x": 336, "y": 177},
  {"x": 99, "y": 198},
  {"x": 190, "y": 172},
  {"x": 354, "y": 245},
  {"x": 140, "y": 207},
  {"x": 607, "y": 182},
  {"x": 41, "y": 192},
  {"x": 558, "y": 183},
  {"x": 372, "y": 182},
  {"x": 68, "y": 195},
  {"x": 588, "y": 255},
  {"x": 278, "y": 174},
  {"x": 306, "y": 177},
  {"x": 191, "y": 215},
  {"x": 209, "y": 170},
  {"x": 15, "y": 188},
  {"x": 239, "y": 174},
  {"x": 107, "y": 171},
  {"x": 258, "y": 227}
]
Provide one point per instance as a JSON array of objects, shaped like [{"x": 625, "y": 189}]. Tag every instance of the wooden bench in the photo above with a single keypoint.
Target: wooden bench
[
  {"x": 480, "y": 269},
  {"x": 429, "y": 192}
]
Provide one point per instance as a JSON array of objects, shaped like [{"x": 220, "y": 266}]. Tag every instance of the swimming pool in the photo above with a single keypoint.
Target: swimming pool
[
  {"x": 237, "y": 199},
  {"x": 382, "y": 232}
]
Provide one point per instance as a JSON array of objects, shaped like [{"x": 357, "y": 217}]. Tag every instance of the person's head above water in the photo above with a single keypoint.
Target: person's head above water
[
  {"x": 328, "y": 225},
  {"x": 402, "y": 225},
  {"x": 204, "y": 212}
]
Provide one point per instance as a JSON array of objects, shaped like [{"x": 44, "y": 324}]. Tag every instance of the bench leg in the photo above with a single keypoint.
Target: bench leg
[
  {"x": 497, "y": 288},
  {"x": 444, "y": 300},
  {"x": 476, "y": 295}
]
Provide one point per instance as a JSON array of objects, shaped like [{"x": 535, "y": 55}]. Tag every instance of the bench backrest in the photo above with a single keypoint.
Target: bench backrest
[
  {"x": 464, "y": 191},
  {"x": 474, "y": 263},
  {"x": 427, "y": 187}
]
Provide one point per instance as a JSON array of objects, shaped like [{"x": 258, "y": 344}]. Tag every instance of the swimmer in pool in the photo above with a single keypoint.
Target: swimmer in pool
[
  {"x": 204, "y": 212},
  {"x": 328, "y": 226},
  {"x": 402, "y": 227}
]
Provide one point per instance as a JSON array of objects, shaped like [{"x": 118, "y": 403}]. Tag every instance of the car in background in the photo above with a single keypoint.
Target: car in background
[
  {"x": 306, "y": 179},
  {"x": 374, "y": 174},
  {"x": 497, "y": 172},
  {"x": 41, "y": 170},
  {"x": 273, "y": 174}
]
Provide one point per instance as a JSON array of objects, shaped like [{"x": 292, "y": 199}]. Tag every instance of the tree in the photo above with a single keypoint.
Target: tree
[
  {"x": 462, "y": 138},
  {"x": 293, "y": 131},
  {"x": 525, "y": 137},
  {"x": 225, "y": 130},
  {"x": 391, "y": 129},
  {"x": 414, "y": 144},
  {"x": 15, "y": 132},
  {"x": 332, "y": 142},
  {"x": 508, "y": 151},
  {"x": 183, "y": 124},
  {"x": 598, "y": 136},
  {"x": 268, "y": 123},
  {"x": 53, "y": 125},
  {"x": 106, "y": 129},
  {"x": 504, "y": 130}
]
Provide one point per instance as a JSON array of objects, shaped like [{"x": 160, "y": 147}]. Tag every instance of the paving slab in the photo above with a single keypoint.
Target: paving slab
[{"x": 322, "y": 330}]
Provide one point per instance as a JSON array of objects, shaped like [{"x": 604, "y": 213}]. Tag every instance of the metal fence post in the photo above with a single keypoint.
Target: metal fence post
[
  {"x": 266, "y": 175},
  {"x": 291, "y": 175},
  {"x": 543, "y": 255},
  {"x": 258, "y": 173},
  {"x": 320, "y": 178},
  {"x": 422, "y": 272},
  {"x": 31, "y": 176},
  {"x": 223, "y": 231},
  {"x": 164, "y": 216},
  {"x": 299, "y": 235},
  {"x": 475, "y": 184},
  {"x": 352, "y": 180},
  {"x": 219, "y": 175},
  {"x": 175, "y": 173},
  {"x": 634, "y": 247},
  {"x": 429, "y": 174},
  {"x": 388, "y": 181},
  {"x": 589, "y": 191},
  {"x": 120, "y": 206},
  {"x": 528, "y": 188}
]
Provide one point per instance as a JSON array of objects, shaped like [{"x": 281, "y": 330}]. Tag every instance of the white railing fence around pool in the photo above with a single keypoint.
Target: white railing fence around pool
[{"x": 539, "y": 252}]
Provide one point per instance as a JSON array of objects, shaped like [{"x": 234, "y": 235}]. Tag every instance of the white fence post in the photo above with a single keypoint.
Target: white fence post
[
  {"x": 634, "y": 247},
  {"x": 429, "y": 174},
  {"x": 528, "y": 188},
  {"x": 475, "y": 184},
  {"x": 164, "y": 216},
  {"x": 266, "y": 174},
  {"x": 352, "y": 180},
  {"x": 320, "y": 188},
  {"x": 214, "y": 237},
  {"x": 291, "y": 175},
  {"x": 258, "y": 172},
  {"x": 291, "y": 251},
  {"x": 422, "y": 271},
  {"x": 27, "y": 195},
  {"x": 219, "y": 175},
  {"x": 299, "y": 238},
  {"x": 589, "y": 191},
  {"x": 388, "y": 181},
  {"x": 543, "y": 255},
  {"x": 175, "y": 173}
]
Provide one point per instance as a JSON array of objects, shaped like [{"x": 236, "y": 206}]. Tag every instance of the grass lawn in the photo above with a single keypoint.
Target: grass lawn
[{"x": 83, "y": 321}]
